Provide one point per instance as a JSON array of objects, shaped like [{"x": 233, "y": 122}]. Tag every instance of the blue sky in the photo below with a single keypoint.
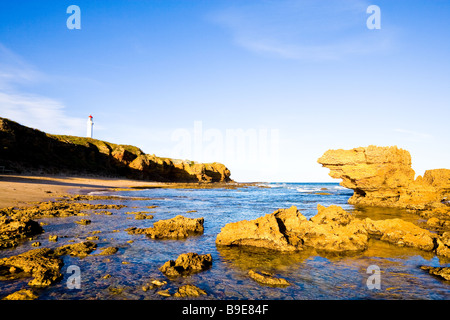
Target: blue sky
[{"x": 289, "y": 78}]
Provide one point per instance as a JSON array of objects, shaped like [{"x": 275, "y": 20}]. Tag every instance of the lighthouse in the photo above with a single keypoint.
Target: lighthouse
[{"x": 90, "y": 127}]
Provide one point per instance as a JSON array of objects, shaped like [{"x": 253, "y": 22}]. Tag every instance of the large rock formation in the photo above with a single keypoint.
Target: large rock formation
[
  {"x": 331, "y": 230},
  {"x": 382, "y": 176},
  {"x": 27, "y": 149}
]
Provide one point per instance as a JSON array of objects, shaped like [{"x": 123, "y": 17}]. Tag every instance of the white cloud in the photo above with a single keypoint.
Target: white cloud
[
  {"x": 43, "y": 113},
  {"x": 32, "y": 110}
]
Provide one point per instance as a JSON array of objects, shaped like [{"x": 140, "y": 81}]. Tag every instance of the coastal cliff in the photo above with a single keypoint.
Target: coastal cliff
[
  {"x": 382, "y": 176},
  {"x": 23, "y": 149}
]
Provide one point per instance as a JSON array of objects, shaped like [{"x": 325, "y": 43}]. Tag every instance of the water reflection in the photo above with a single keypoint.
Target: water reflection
[{"x": 312, "y": 274}]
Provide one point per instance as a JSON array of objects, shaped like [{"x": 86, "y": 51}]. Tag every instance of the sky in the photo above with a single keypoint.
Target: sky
[{"x": 263, "y": 86}]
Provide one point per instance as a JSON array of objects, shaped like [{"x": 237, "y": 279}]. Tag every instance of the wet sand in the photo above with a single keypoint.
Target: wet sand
[{"x": 22, "y": 190}]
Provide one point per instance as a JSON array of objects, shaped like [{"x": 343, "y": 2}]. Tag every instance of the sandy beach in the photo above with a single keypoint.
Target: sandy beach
[{"x": 22, "y": 190}]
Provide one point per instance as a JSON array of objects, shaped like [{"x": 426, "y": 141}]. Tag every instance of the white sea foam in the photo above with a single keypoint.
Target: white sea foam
[{"x": 311, "y": 189}]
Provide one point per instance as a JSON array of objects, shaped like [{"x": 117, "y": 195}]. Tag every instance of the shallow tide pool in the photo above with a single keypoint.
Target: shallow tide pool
[{"x": 312, "y": 275}]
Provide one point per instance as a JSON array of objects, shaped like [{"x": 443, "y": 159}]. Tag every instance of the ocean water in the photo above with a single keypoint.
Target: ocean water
[{"x": 312, "y": 275}]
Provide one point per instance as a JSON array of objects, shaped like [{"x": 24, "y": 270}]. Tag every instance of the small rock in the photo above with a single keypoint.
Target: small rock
[
  {"x": 153, "y": 284},
  {"x": 53, "y": 238},
  {"x": 268, "y": 279},
  {"x": 164, "y": 293},
  {"x": 84, "y": 221},
  {"x": 189, "y": 291},
  {"x": 81, "y": 249},
  {"x": 116, "y": 290},
  {"x": 108, "y": 250},
  {"x": 159, "y": 283},
  {"x": 143, "y": 216},
  {"x": 24, "y": 294},
  {"x": 186, "y": 263}
]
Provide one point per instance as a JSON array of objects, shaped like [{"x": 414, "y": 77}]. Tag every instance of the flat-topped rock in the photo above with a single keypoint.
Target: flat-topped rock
[{"x": 178, "y": 227}]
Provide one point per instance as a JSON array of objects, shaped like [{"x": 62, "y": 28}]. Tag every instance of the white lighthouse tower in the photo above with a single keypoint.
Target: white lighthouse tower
[{"x": 90, "y": 127}]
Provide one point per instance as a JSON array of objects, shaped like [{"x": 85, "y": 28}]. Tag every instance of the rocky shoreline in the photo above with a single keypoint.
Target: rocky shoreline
[{"x": 332, "y": 230}]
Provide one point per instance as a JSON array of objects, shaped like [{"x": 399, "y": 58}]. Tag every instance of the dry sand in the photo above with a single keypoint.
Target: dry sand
[{"x": 18, "y": 190}]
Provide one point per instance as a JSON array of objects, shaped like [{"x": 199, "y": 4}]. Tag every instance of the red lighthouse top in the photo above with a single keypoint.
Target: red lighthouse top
[{"x": 90, "y": 117}]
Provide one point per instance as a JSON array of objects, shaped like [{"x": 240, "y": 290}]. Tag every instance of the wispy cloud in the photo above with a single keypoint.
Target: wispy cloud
[
  {"x": 32, "y": 110},
  {"x": 304, "y": 30},
  {"x": 14, "y": 70},
  {"x": 39, "y": 112},
  {"x": 413, "y": 135}
]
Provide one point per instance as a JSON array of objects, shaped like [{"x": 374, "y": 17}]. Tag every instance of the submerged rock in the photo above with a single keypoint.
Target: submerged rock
[
  {"x": 24, "y": 294},
  {"x": 176, "y": 228},
  {"x": 164, "y": 293},
  {"x": 189, "y": 290},
  {"x": 268, "y": 279},
  {"x": 186, "y": 263},
  {"x": 153, "y": 284},
  {"x": 83, "y": 221}
]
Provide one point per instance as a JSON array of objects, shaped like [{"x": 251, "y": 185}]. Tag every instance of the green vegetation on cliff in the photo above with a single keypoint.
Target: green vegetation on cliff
[{"x": 24, "y": 149}]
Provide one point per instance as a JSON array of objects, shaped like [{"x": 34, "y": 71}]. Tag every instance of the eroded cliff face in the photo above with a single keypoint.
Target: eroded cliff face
[
  {"x": 27, "y": 149},
  {"x": 382, "y": 176}
]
